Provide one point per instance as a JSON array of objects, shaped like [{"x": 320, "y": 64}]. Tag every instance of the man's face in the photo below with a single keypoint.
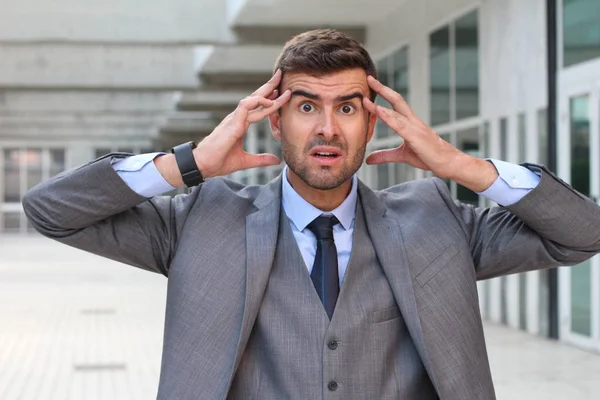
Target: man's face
[{"x": 324, "y": 128}]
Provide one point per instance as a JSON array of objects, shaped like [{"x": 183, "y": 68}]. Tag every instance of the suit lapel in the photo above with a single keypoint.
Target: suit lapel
[
  {"x": 386, "y": 235},
  {"x": 262, "y": 228}
]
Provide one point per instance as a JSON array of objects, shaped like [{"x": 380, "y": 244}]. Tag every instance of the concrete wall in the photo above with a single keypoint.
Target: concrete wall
[
  {"x": 513, "y": 56},
  {"x": 157, "y": 21},
  {"x": 91, "y": 116},
  {"x": 97, "y": 66}
]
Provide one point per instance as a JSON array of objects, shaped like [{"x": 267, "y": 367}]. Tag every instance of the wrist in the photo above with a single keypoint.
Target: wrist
[
  {"x": 474, "y": 173},
  {"x": 167, "y": 167},
  {"x": 200, "y": 159}
]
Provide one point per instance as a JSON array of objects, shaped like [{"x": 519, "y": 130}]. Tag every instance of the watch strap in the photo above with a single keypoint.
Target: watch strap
[{"x": 184, "y": 156}]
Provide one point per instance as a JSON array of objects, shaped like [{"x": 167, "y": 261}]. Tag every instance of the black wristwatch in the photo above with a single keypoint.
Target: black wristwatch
[{"x": 184, "y": 156}]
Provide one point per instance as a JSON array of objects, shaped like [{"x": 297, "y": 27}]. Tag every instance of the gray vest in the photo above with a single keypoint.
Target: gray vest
[{"x": 295, "y": 352}]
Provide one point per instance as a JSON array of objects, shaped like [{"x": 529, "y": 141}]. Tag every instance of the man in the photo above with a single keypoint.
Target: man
[{"x": 314, "y": 286}]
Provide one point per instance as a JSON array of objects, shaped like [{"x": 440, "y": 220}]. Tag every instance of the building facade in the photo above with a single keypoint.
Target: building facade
[{"x": 476, "y": 71}]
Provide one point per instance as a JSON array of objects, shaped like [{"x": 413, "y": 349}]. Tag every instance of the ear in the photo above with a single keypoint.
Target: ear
[
  {"x": 371, "y": 126},
  {"x": 275, "y": 122}
]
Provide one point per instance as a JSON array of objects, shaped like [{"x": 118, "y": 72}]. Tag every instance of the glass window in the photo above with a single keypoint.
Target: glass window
[
  {"x": 522, "y": 138},
  {"x": 454, "y": 70},
  {"x": 400, "y": 72},
  {"x": 24, "y": 168},
  {"x": 543, "y": 296},
  {"x": 261, "y": 177},
  {"x": 468, "y": 141},
  {"x": 522, "y": 141},
  {"x": 392, "y": 72},
  {"x": 503, "y": 300},
  {"x": 542, "y": 125},
  {"x": 447, "y": 137},
  {"x": 439, "y": 75},
  {"x": 101, "y": 152},
  {"x": 404, "y": 172},
  {"x": 32, "y": 160},
  {"x": 503, "y": 139},
  {"x": 487, "y": 284},
  {"x": 383, "y": 176},
  {"x": 12, "y": 222},
  {"x": 467, "y": 66},
  {"x": 581, "y": 31},
  {"x": 57, "y": 161},
  {"x": 12, "y": 182},
  {"x": 277, "y": 150},
  {"x": 383, "y": 72},
  {"x": 580, "y": 180},
  {"x": 486, "y": 145},
  {"x": 580, "y": 144},
  {"x": 581, "y": 299},
  {"x": 126, "y": 150},
  {"x": 523, "y": 301},
  {"x": 261, "y": 137}
]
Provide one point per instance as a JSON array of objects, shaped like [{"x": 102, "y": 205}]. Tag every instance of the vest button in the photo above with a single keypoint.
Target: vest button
[
  {"x": 333, "y": 344},
  {"x": 332, "y": 386}
]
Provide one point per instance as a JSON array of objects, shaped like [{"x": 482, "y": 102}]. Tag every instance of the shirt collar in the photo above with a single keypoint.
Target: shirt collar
[{"x": 302, "y": 213}]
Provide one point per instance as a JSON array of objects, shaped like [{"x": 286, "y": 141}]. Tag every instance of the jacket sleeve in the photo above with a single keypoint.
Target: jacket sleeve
[
  {"x": 92, "y": 209},
  {"x": 553, "y": 225}
]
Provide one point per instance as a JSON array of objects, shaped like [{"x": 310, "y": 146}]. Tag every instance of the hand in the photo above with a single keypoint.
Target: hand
[
  {"x": 221, "y": 152},
  {"x": 422, "y": 147}
]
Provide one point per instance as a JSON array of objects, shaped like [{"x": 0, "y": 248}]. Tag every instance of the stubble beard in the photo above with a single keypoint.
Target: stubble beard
[{"x": 321, "y": 178}]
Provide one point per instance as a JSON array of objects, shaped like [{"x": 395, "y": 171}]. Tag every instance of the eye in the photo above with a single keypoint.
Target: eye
[
  {"x": 348, "y": 109},
  {"x": 306, "y": 108}
]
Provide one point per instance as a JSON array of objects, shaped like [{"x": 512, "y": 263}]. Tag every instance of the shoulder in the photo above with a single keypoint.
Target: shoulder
[
  {"x": 428, "y": 192},
  {"x": 226, "y": 187},
  {"x": 418, "y": 188},
  {"x": 226, "y": 191}
]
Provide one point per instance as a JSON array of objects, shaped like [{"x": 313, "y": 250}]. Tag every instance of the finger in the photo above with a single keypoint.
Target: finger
[
  {"x": 266, "y": 89},
  {"x": 369, "y": 105},
  {"x": 260, "y": 114},
  {"x": 260, "y": 160},
  {"x": 395, "y": 99},
  {"x": 396, "y": 121},
  {"x": 251, "y": 103},
  {"x": 384, "y": 156}
]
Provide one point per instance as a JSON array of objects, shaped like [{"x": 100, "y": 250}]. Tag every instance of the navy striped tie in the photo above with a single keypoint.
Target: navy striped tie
[{"x": 325, "y": 268}]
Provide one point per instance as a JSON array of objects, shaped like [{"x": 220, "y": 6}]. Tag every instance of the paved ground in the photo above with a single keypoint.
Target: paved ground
[{"x": 76, "y": 327}]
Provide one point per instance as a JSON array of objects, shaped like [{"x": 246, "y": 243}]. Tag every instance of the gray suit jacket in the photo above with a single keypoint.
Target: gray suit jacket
[{"x": 216, "y": 245}]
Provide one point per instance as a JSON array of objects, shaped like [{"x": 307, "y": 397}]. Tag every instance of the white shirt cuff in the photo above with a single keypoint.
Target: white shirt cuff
[
  {"x": 142, "y": 176},
  {"x": 514, "y": 182}
]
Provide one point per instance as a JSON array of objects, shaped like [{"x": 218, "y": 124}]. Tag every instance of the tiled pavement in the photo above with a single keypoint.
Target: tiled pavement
[{"x": 76, "y": 327}]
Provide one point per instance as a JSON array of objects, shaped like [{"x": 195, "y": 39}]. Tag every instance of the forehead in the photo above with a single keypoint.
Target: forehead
[{"x": 327, "y": 86}]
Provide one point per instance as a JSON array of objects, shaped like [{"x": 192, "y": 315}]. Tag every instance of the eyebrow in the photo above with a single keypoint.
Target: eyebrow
[{"x": 313, "y": 96}]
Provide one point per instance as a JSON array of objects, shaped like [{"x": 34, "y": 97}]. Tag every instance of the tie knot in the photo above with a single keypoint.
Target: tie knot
[{"x": 322, "y": 227}]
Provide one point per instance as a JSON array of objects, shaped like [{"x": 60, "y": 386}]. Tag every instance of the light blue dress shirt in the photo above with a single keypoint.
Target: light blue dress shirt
[
  {"x": 142, "y": 176},
  {"x": 300, "y": 213}
]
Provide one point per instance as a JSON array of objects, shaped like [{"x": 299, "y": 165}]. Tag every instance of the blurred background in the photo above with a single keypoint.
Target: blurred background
[{"x": 509, "y": 79}]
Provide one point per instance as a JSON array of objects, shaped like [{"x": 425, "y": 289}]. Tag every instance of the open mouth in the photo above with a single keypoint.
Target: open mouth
[{"x": 325, "y": 155}]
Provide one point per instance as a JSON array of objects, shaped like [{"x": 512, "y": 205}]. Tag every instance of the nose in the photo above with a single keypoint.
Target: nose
[{"x": 328, "y": 126}]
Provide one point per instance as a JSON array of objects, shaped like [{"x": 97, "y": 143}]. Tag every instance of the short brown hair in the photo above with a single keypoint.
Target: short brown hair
[{"x": 324, "y": 51}]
